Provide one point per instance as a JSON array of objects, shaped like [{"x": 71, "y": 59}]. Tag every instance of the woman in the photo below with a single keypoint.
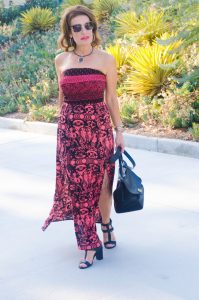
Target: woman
[{"x": 87, "y": 79}]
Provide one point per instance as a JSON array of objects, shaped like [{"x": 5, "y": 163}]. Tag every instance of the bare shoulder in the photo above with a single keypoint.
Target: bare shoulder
[
  {"x": 110, "y": 60},
  {"x": 60, "y": 57},
  {"x": 59, "y": 62},
  {"x": 110, "y": 63},
  {"x": 107, "y": 59}
]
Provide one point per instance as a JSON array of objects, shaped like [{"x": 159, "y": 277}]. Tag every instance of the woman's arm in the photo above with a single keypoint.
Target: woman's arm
[
  {"x": 112, "y": 101},
  {"x": 61, "y": 95},
  {"x": 110, "y": 92}
]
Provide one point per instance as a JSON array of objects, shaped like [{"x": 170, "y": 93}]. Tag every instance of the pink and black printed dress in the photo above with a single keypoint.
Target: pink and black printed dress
[{"x": 84, "y": 146}]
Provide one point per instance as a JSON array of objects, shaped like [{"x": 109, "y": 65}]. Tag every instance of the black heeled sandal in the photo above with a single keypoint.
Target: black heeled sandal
[
  {"x": 109, "y": 230},
  {"x": 98, "y": 254}
]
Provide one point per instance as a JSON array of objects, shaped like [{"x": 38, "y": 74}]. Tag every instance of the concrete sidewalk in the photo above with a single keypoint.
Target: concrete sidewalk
[{"x": 157, "y": 253}]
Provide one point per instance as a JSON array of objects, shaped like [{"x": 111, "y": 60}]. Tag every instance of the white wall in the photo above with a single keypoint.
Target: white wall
[{"x": 6, "y": 2}]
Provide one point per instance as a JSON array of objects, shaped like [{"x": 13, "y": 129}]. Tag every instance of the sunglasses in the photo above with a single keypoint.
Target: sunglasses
[{"x": 78, "y": 27}]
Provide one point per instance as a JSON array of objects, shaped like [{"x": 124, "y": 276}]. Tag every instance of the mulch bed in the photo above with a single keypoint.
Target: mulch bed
[{"x": 160, "y": 131}]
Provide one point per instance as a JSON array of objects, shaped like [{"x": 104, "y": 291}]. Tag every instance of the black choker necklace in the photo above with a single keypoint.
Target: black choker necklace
[{"x": 81, "y": 57}]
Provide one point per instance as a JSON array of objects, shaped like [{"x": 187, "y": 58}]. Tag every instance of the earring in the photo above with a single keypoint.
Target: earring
[
  {"x": 93, "y": 39},
  {"x": 71, "y": 47}
]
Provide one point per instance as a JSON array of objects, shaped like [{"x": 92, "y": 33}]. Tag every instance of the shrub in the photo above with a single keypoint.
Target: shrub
[
  {"x": 41, "y": 3},
  {"x": 178, "y": 110},
  {"x": 126, "y": 22},
  {"x": 186, "y": 22},
  {"x": 3, "y": 39},
  {"x": 40, "y": 93},
  {"x": 8, "y": 102},
  {"x": 195, "y": 131},
  {"x": 189, "y": 71},
  {"x": 150, "y": 109},
  {"x": 67, "y": 3},
  {"x": 8, "y": 14},
  {"x": 128, "y": 109},
  {"x": 151, "y": 67},
  {"x": 37, "y": 19},
  {"x": 144, "y": 29},
  {"x": 104, "y": 8},
  {"x": 7, "y": 33},
  {"x": 34, "y": 64},
  {"x": 46, "y": 113},
  {"x": 7, "y": 105},
  {"x": 121, "y": 54}
]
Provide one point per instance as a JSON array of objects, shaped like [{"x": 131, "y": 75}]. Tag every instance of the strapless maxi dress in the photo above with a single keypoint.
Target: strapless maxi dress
[{"x": 85, "y": 144}]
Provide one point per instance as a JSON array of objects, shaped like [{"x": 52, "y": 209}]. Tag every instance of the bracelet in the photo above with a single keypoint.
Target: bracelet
[{"x": 119, "y": 128}]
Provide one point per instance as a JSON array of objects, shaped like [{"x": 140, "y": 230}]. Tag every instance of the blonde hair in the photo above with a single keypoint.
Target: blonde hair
[{"x": 64, "y": 41}]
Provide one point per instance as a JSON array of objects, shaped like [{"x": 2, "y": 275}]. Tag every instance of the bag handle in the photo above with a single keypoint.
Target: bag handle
[{"x": 118, "y": 155}]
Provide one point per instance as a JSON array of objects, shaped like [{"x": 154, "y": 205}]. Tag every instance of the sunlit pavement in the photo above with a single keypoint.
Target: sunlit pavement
[{"x": 156, "y": 257}]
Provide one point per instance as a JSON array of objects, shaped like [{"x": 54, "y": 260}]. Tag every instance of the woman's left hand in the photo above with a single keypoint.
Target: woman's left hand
[{"x": 119, "y": 140}]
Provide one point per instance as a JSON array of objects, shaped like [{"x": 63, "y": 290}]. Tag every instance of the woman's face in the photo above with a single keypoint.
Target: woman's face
[{"x": 81, "y": 31}]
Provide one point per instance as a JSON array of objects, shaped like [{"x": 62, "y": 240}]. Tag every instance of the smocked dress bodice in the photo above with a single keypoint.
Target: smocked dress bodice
[{"x": 83, "y": 84}]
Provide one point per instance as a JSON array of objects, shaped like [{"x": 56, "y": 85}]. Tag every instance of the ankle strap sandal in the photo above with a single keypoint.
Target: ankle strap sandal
[
  {"x": 109, "y": 230},
  {"x": 98, "y": 254}
]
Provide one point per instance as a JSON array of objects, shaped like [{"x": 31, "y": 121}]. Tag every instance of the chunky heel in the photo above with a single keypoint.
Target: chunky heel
[{"x": 99, "y": 253}]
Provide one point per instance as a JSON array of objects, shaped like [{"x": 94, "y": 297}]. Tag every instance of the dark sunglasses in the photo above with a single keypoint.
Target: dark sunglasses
[{"x": 78, "y": 27}]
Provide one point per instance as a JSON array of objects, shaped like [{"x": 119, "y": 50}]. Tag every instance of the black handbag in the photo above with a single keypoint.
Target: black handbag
[{"x": 129, "y": 193}]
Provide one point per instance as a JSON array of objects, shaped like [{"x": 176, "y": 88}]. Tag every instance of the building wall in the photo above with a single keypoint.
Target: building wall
[{"x": 6, "y": 2}]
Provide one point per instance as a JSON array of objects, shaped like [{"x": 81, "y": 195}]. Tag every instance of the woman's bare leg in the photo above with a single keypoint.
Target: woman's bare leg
[{"x": 105, "y": 204}]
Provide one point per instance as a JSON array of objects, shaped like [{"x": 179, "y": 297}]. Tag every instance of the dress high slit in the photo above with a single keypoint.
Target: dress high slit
[{"x": 84, "y": 146}]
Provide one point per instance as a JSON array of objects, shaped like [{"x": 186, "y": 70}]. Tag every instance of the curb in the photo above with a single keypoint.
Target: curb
[{"x": 163, "y": 145}]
